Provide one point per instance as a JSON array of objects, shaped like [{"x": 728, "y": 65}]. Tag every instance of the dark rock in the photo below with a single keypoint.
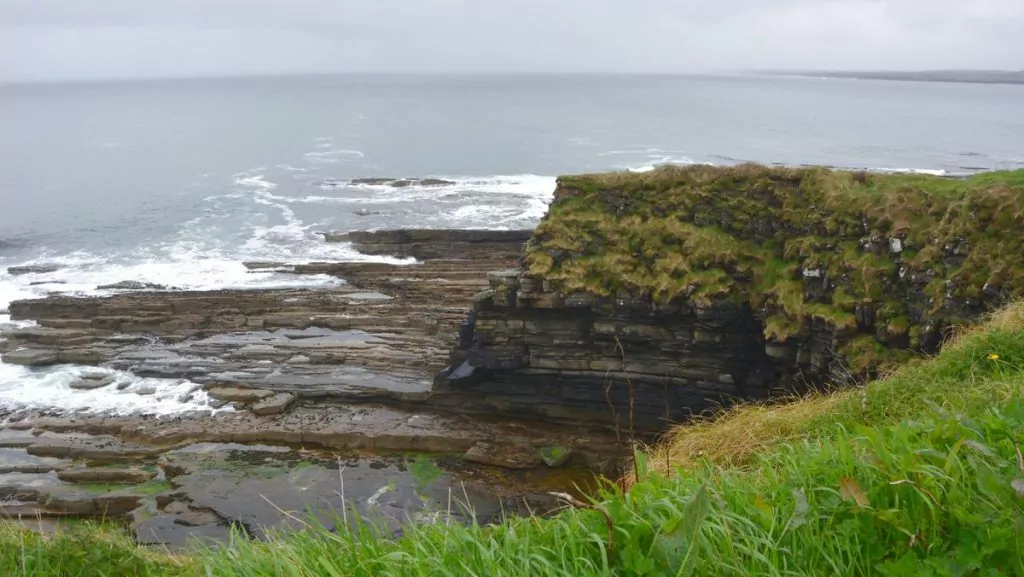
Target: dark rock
[
  {"x": 402, "y": 182},
  {"x": 87, "y": 384},
  {"x": 508, "y": 456},
  {"x": 101, "y": 449},
  {"x": 238, "y": 395},
  {"x": 566, "y": 359},
  {"x": 33, "y": 269},
  {"x": 132, "y": 285},
  {"x": 555, "y": 456},
  {"x": 273, "y": 405},
  {"x": 17, "y": 460},
  {"x": 272, "y": 266},
  {"x": 31, "y": 357},
  {"x": 428, "y": 244},
  {"x": 88, "y": 504},
  {"x": 129, "y": 475}
]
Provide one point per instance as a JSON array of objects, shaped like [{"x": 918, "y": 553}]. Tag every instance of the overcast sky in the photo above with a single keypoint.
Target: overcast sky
[{"x": 57, "y": 39}]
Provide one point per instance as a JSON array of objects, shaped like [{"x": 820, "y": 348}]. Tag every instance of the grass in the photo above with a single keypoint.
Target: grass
[
  {"x": 802, "y": 247},
  {"x": 920, "y": 473}
]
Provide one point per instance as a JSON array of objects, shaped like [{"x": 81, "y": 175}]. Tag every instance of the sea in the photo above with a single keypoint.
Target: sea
[{"x": 178, "y": 182}]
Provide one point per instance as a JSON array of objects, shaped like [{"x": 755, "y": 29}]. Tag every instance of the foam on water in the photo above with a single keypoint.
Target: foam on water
[
  {"x": 469, "y": 202},
  {"x": 50, "y": 388},
  {"x": 928, "y": 171},
  {"x": 664, "y": 161},
  {"x": 256, "y": 181}
]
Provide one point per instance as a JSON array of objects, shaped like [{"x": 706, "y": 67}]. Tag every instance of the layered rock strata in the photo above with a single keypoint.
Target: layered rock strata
[
  {"x": 437, "y": 244},
  {"x": 317, "y": 391},
  {"x": 378, "y": 338},
  {"x": 645, "y": 298}
]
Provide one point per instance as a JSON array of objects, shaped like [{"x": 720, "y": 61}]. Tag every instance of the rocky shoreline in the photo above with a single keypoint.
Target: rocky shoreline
[
  {"x": 304, "y": 391},
  {"x": 499, "y": 364}
]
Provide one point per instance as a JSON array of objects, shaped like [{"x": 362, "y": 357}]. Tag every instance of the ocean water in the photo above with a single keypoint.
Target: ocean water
[{"x": 178, "y": 182}]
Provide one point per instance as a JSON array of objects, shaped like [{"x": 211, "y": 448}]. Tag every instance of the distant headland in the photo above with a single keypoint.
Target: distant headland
[{"x": 968, "y": 76}]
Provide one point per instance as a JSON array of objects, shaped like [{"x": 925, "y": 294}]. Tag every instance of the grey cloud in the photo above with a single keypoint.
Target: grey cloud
[{"x": 100, "y": 38}]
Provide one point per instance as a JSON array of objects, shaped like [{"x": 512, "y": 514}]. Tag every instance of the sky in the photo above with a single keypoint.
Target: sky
[{"x": 92, "y": 39}]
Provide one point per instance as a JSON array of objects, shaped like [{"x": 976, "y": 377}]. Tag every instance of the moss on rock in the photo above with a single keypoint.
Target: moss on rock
[{"x": 882, "y": 260}]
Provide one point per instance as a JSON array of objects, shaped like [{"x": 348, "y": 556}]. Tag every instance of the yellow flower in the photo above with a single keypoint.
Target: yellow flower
[{"x": 993, "y": 357}]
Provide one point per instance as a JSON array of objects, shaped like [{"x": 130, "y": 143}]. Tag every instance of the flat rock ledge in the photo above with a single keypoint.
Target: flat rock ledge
[{"x": 314, "y": 384}]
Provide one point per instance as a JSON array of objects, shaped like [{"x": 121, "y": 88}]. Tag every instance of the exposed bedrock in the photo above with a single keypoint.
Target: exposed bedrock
[
  {"x": 650, "y": 297},
  {"x": 426, "y": 244},
  {"x": 376, "y": 341}
]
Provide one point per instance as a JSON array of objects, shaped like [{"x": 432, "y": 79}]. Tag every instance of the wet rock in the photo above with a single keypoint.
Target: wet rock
[
  {"x": 267, "y": 266},
  {"x": 87, "y": 383},
  {"x": 402, "y": 182},
  {"x": 132, "y": 285},
  {"x": 50, "y": 336},
  {"x": 25, "y": 486},
  {"x": 32, "y": 269},
  {"x": 508, "y": 456},
  {"x": 88, "y": 504},
  {"x": 85, "y": 356},
  {"x": 428, "y": 244},
  {"x": 31, "y": 357},
  {"x": 100, "y": 448},
  {"x": 238, "y": 394},
  {"x": 14, "y": 460},
  {"x": 555, "y": 456},
  {"x": 43, "y": 519},
  {"x": 126, "y": 475},
  {"x": 17, "y": 438},
  {"x": 274, "y": 405},
  {"x": 175, "y": 522},
  {"x": 167, "y": 531},
  {"x": 189, "y": 516},
  {"x": 145, "y": 391},
  {"x": 263, "y": 496}
]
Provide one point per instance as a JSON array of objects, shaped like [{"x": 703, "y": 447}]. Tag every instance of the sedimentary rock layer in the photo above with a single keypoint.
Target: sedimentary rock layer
[
  {"x": 645, "y": 298},
  {"x": 428, "y": 244}
]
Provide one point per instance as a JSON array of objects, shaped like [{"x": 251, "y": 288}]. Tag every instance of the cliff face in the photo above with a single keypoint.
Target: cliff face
[{"x": 683, "y": 288}]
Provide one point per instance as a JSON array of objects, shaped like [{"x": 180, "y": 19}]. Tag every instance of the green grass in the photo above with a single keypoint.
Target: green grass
[
  {"x": 917, "y": 474},
  {"x": 747, "y": 234}
]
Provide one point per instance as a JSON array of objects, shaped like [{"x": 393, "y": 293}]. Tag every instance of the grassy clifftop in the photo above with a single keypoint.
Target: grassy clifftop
[{"x": 885, "y": 261}]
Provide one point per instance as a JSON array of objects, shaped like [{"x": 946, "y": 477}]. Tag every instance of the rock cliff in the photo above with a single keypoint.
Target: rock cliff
[{"x": 644, "y": 298}]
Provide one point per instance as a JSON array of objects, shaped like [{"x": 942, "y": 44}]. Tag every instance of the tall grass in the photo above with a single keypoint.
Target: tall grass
[{"x": 918, "y": 474}]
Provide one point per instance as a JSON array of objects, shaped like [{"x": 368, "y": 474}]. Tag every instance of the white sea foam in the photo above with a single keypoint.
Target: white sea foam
[
  {"x": 929, "y": 171},
  {"x": 256, "y": 181},
  {"x": 530, "y": 185},
  {"x": 187, "y": 268},
  {"x": 49, "y": 388},
  {"x": 657, "y": 161}
]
